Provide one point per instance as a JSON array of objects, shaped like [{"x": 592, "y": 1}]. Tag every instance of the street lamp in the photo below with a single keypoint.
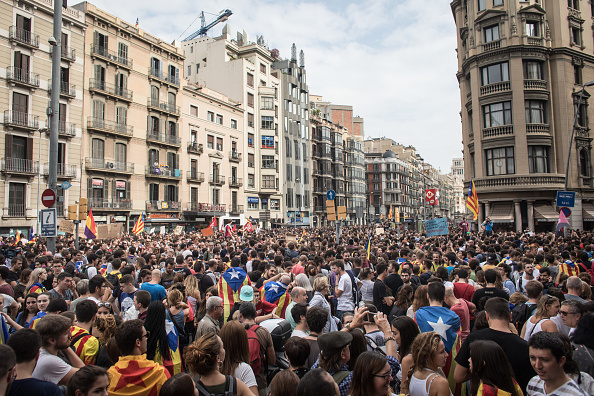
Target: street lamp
[{"x": 588, "y": 84}]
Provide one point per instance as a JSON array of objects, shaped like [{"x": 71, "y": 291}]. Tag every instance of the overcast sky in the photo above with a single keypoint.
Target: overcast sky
[{"x": 394, "y": 61}]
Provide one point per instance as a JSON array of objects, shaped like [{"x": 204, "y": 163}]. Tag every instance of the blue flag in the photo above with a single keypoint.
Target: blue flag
[
  {"x": 234, "y": 277},
  {"x": 440, "y": 320},
  {"x": 273, "y": 291}
]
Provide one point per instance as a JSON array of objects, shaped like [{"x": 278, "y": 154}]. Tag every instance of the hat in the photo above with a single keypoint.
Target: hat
[
  {"x": 492, "y": 257},
  {"x": 246, "y": 294},
  {"x": 333, "y": 342}
]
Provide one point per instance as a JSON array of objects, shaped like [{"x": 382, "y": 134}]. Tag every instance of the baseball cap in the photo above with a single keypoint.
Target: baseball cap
[
  {"x": 246, "y": 294},
  {"x": 333, "y": 342}
]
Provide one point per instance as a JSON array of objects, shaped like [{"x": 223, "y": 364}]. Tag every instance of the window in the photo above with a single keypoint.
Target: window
[
  {"x": 575, "y": 4},
  {"x": 497, "y": 2},
  {"x": 497, "y": 114},
  {"x": 577, "y": 74},
  {"x": 533, "y": 70},
  {"x": 219, "y": 119},
  {"x": 500, "y": 161},
  {"x": 268, "y": 162},
  {"x": 253, "y": 201},
  {"x": 275, "y": 204},
  {"x": 576, "y": 36},
  {"x": 296, "y": 144},
  {"x": 532, "y": 28},
  {"x": 250, "y": 140},
  {"x": 250, "y": 100},
  {"x": 584, "y": 162},
  {"x": 250, "y": 160},
  {"x": 153, "y": 192},
  {"x": 581, "y": 115},
  {"x": 193, "y": 111},
  {"x": 233, "y": 124},
  {"x": 262, "y": 68},
  {"x": 220, "y": 144},
  {"x": 250, "y": 79},
  {"x": 251, "y": 180},
  {"x": 289, "y": 175},
  {"x": 538, "y": 159},
  {"x": 120, "y": 155},
  {"x": 210, "y": 116},
  {"x": 16, "y": 199},
  {"x": 250, "y": 120},
  {"x": 268, "y": 181},
  {"x": 491, "y": 33},
  {"x": 267, "y": 142},
  {"x": 189, "y": 70},
  {"x": 495, "y": 73},
  {"x": 535, "y": 113},
  {"x": 267, "y": 122},
  {"x": 482, "y": 5},
  {"x": 267, "y": 103},
  {"x": 209, "y": 141},
  {"x": 98, "y": 149}
]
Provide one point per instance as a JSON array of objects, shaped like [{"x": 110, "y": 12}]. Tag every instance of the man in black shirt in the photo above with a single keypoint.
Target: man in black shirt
[
  {"x": 489, "y": 291},
  {"x": 394, "y": 281},
  {"x": 382, "y": 298},
  {"x": 515, "y": 348}
]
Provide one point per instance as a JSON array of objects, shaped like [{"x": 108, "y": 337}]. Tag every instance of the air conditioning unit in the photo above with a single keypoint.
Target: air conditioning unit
[{"x": 109, "y": 165}]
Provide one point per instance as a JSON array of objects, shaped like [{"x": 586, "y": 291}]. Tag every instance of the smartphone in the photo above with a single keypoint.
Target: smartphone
[{"x": 369, "y": 317}]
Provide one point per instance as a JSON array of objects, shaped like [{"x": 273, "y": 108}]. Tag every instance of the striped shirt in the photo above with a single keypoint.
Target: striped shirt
[{"x": 536, "y": 387}]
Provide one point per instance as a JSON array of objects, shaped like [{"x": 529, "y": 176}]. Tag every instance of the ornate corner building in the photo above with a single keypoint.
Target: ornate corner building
[{"x": 521, "y": 68}]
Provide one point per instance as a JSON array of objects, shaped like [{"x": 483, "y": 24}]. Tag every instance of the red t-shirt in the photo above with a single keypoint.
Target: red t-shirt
[{"x": 463, "y": 290}]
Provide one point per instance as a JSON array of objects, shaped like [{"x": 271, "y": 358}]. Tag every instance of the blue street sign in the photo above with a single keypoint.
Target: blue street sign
[
  {"x": 49, "y": 224},
  {"x": 66, "y": 185},
  {"x": 330, "y": 195},
  {"x": 566, "y": 198}
]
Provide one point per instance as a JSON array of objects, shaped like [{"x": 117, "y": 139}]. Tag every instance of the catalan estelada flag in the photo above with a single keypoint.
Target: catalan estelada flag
[
  {"x": 276, "y": 293},
  {"x": 390, "y": 214},
  {"x": 472, "y": 202},
  {"x": 135, "y": 375},
  {"x": 31, "y": 235},
  {"x": 446, "y": 323},
  {"x": 3, "y": 331},
  {"x": 489, "y": 390},
  {"x": 18, "y": 237},
  {"x": 229, "y": 285},
  {"x": 85, "y": 345},
  {"x": 368, "y": 245},
  {"x": 568, "y": 267},
  {"x": 36, "y": 288},
  {"x": 36, "y": 319},
  {"x": 174, "y": 363},
  {"x": 139, "y": 226},
  {"x": 91, "y": 228}
]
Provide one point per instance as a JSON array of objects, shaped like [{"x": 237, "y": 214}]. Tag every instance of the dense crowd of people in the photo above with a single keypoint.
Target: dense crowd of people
[{"x": 273, "y": 313}]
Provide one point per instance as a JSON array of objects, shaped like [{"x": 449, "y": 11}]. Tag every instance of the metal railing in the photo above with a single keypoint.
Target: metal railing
[
  {"x": 66, "y": 89},
  {"x": 163, "y": 205},
  {"x": 110, "y": 89},
  {"x": 22, "y": 76},
  {"x": 20, "y": 119},
  {"x": 194, "y": 176},
  {"x": 23, "y": 36},
  {"x": 97, "y": 203},
  {"x": 109, "y": 165},
  {"x": 64, "y": 170},
  {"x": 68, "y": 54},
  {"x": 111, "y": 55},
  {"x": 205, "y": 207},
  {"x": 17, "y": 210},
  {"x": 234, "y": 156},
  {"x": 161, "y": 171},
  {"x": 216, "y": 179},
  {"x": 109, "y": 126},
  {"x": 163, "y": 138},
  {"x": 19, "y": 165},
  {"x": 235, "y": 182},
  {"x": 195, "y": 148},
  {"x": 236, "y": 209},
  {"x": 164, "y": 106},
  {"x": 157, "y": 73}
]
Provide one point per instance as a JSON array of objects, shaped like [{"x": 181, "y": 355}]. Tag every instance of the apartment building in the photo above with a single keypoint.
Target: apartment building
[
  {"x": 24, "y": 99},
  {"x": 242, "y": 70},
  {"x": 132, "y": 139},
  {"x": 296, "y": 149},
  {"x": 213, "y": 154},
  {"x": 457, "y": 172},
  {"x": 521, "y": 66}
]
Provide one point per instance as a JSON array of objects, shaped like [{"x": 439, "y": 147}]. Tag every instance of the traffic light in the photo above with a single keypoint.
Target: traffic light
[{"x": 401, "y": 217}]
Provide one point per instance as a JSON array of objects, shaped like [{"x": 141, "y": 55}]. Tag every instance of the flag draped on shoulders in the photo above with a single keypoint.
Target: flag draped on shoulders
[
  {"x": 85, "y": 345},
  {"x": 229, "y": 285},
  {"x": 568, "y": 267},
  {"x": 276, "y": 293},
  {"x": 36, "y": 319},
  {"x": 3, "y": 331},
  {"x": 36, "y": 288},
  {"x": 446, "y": 323},
  {"x": 174, "y": 363},
  {"x": 135, "y": 375},
  {"x": 91, "y": 228},
  {"x": 489, "y": 390}
]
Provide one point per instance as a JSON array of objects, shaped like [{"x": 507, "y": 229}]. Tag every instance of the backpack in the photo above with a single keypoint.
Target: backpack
[
  {"x": 354, "y": 288},
  {"x": 521, "y": 313},
  {"x": 230, "y": 387},
  {"x": 254, "y": 344},
  {"x": 340, "y": 376}
]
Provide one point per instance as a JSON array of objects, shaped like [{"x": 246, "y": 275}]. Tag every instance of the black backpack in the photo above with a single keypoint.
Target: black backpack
[
  {"x": 521, "y": 313},
  {"x": 230, "y": 388}
]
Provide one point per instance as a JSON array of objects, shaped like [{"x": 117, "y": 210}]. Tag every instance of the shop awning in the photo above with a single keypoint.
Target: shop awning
[
  {"x": 167, "y": 220},
  {"x": 588, "y": 211},
  {"x": 545, "y": 213},
  {"x": 502, "y": 212}
]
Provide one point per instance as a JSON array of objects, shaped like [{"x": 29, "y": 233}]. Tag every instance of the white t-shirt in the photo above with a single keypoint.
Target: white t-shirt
[
  {"x": 245, "y": 373},
  {"x": 7, "y": 302},
  {"x": 345, "y": 301},
  {"x": 91, "y": 272},
  {"x": 299, "y": 333},
  {"x": 50, "y": 368}
]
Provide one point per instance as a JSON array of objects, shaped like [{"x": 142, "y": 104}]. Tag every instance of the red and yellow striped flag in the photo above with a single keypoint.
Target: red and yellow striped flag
[
  {"x": 276, "y": 293},
  {"x": 472, "y": 202},
  {"x": 489, "y": 390},
  {"x": 135, "y": 375},
  {"x": 139, "y": 226},
  {"x": 230, "y": 284},
  {"x": 85, "y": 345}
]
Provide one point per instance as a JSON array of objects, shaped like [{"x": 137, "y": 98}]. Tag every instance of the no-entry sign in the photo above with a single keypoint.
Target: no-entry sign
[{"x": 48, "y": 198}]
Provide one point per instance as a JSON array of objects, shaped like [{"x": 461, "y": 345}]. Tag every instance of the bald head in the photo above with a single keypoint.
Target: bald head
[
  {"x": 286, "y": 279},
  {"x": 156, "y": 275},
  {"x": 298, "y": 295}
]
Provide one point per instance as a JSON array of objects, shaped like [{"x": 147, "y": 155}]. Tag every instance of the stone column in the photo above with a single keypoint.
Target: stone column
[
  {"x": 518, "y": 216},
  {"x": 487, "y": 209},
  {"x": 531, "y": 215}
]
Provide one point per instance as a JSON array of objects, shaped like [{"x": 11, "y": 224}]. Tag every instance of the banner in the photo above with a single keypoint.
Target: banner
[{"x": 436, "y": 227}]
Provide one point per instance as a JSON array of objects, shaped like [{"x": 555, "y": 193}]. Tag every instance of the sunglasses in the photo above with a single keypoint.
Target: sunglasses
[
  {"x": 104, "y": 304},
  {"x": 565, "y": 313}
]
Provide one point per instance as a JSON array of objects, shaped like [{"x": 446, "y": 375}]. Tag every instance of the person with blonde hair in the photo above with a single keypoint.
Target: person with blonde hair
[
  {"x": 237, "y": 357},
  {"x": 205, "y": 357},
  {"x": 34, "y": 285},
  {"x": 548, "y": 306},
  {"x": 425, "y": 377},
  {"x": 321, "y": 287}
]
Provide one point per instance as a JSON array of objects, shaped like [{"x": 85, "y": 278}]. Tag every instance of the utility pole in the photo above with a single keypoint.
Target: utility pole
[{"x": 56, "y": 42}]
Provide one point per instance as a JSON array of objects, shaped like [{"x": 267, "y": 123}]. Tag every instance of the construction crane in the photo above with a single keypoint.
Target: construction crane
[{"x": 204, "y": 28}]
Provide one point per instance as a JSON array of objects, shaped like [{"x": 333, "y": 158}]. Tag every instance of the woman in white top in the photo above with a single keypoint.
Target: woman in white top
[
  {"x": 366, "y": 277},
  {"x": 237, "y": 355},
  {"x": 425, "y": 377},
  {"x": 547, "y": 307}
]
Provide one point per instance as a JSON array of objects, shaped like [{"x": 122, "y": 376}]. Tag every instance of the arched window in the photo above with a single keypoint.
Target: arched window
[{"x": 584, "y": 162}]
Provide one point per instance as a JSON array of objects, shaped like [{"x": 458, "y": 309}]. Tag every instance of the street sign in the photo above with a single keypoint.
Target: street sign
[
  {"x": 330, "y": 195},
  {"x": 49, "y": 224},
  {"x": 566, "y": 211},
  {"x": 566, "y": 198},
  {"x": 48, "y": 198},
  {"x": 66, "y": 185},
  {"x": 431, "y": 196}
]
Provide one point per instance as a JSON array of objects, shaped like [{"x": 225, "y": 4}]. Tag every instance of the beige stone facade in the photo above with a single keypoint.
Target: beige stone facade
[
  {"x": 521, "y": 66},
  {"x": 25, "y": 80}
]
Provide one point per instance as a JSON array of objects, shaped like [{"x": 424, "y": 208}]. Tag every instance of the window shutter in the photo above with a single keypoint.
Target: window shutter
[
  {"x": 114, "y": 195},
  {"x": 176, "y": 75},
  {"x": 105, "y": 189},
  {"x": 128, "y": 190},
  {"x": 105, "y": 37},
  {"x": 8, "y": 146},
  {"x": 176, "y": 161},
  {"x": 177, "y": 129},
  {"x": 29, "y": 148},
  {"x": 176, "y": 193},
  {"x": 90, "y": 188},
  {"x": 166, "y": 193}
]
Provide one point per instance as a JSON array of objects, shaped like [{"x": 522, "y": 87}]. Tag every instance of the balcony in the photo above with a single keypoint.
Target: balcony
[
  {"x": 236, "y": 209},
  {"x": 535, "y": 85},
  {"x": 538, "y": 129},
  {"x": 165, "y": 107},
  {"x": 194, "y": 148},
  {"x": 111, "y": 56},
  {"x": 102, "y": 165},
  {"x": 235, "y": 182},
  {"x": 19, "y": 76},
  {"x": 163, "y": 206},
  {"x": 65, "y": 129},
  {"x": 162, "y": 172},
  {"x": 162, "y": 138},
  {"x": 513, "y": 182},
  {"x": 194, "y": 177},
  {"x": 16, "y": 210},
  {"x": 65, "y": 171},
  {"x": 269, "y": 186},
  {"x": 67, "y": 54},
  {"x": 105, "y": 204},
  {"x": 216, "y": 180},
  {"x": 502, "y": 130},
  {"x": 19, "y": 166},
  {"x": 113, "y": 128},
  {"x": 492, "y": 45},
  {"x": 111, "y": 90},
  {"x": 205, "y": 207},
  {"x": 163, "y": 77},
  {"x": 67, "y": 90},
  {"x": 495, "y": 88},
  {"x": 534, "y": 41},
  {"x": 234, "y": 156},
  {"x": 18, "y": 119},
  {"x": 24, "y": 37}
]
